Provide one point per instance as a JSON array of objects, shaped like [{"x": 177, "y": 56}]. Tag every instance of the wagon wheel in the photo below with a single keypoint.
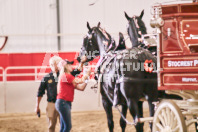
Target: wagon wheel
[{"x": 168, "y": 118}]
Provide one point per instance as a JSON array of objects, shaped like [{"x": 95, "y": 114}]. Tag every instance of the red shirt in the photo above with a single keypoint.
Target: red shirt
[{"x": 66, "y": 90}]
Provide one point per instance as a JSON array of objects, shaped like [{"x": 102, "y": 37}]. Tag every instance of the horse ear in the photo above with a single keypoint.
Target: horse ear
[
  {"x": 127, "y": 17},
  {"x": 88, "y": 26},
  {"x": 142, "y": 13},
  {"x": 98, "y": 24}
]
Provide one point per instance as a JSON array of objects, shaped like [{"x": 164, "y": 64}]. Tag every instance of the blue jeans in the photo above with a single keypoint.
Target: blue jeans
[{"x": 64, "y": 109}]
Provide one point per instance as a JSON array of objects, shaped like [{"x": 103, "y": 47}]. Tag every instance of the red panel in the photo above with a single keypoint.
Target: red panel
[
  {"x": 189, "y": 8},
  {"x": 15, "y": 71},
  {"x": 1, "y": 74},
  {"x": 170, "y": 43},
  {"x": 38, "y": 58},
  {"x": 4, "y": 60},
  {"x": 32, "y": 59},
  {"x": 180, "y": 79},
  {"x": 21, "y": 78},
  {"x": 180, "y": 63},
  {"x": 179, "y": 47},
  {"x": 1, "y": 71},
  {"x": 169, "y": 9},
  {"x": 190, "y": 33},
  {"x": 20, "y": 59}
]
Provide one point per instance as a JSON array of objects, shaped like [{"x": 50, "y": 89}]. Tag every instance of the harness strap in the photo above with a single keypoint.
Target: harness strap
[
  {"x": 135, "y": 80},
  {"x": 110, "y": 46},
  {"x": 99, "y": 88},
  {"x": 106, "y": 62}
]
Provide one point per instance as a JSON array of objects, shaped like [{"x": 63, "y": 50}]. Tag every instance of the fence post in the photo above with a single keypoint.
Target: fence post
[
  {"x": 3, "y": 88},
  {"x": 4, "y": 85}
]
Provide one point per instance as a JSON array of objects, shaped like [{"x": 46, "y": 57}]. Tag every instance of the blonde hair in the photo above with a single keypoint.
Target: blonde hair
[
  {"x": 62, "y": 65},
  {"x": 62, "y": 69},
  {"x": 54, "y": 59}
]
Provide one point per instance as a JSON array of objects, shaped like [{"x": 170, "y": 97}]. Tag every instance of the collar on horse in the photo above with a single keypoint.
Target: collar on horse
[{"x": 106, "y": 62}]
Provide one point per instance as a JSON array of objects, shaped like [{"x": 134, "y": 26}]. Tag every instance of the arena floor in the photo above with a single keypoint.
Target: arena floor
[{"x": 90, "y": 121}]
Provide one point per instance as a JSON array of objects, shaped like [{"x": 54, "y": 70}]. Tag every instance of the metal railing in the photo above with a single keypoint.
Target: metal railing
[{"x": 37, "y": 72}]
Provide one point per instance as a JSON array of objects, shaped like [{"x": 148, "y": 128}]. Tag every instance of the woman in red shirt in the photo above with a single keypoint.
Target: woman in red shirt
[{"x": 66, "y": 85}]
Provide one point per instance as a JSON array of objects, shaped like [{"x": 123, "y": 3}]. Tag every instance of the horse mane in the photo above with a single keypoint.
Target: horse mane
[
  {"x": 99, "y": 30},
  {"x": 109, "y": 39}
]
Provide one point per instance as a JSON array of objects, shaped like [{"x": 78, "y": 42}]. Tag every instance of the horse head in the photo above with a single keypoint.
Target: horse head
[
  {"x": 136, "y": 28},
  {"x": 86, "y": 46},
  {"x": 96, "y": 42}
]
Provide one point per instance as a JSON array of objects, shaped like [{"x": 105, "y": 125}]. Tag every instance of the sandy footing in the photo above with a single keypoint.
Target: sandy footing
[{"x": 90, "y": 121}]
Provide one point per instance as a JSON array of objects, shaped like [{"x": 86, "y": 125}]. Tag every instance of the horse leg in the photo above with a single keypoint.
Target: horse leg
[
  {"x": 132, "y": 102},
  {"x": 108, "y": 109},
  {"x": 151, "y": 111},
  {"x": 140, "y": 107},
  {"x": 122, "y": 121},
  {"x": 133, "y": 108},
  {"x": 152, "y": 94},
  {"x": 196, "y": 125}
]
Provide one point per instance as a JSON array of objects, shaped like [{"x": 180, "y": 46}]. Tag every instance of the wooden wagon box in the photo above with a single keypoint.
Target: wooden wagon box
[{"x": 179, "y": 47}]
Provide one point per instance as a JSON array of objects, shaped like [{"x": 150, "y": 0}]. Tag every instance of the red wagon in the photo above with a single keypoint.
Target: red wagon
[{"x": 177, "y": 48}]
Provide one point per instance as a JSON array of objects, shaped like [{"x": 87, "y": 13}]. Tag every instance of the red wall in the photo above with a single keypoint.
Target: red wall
[{"x": 31, "y": 59}]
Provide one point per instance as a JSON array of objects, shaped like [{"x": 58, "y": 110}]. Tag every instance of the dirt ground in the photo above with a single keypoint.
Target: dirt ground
[{"x": 91, "y": 121}]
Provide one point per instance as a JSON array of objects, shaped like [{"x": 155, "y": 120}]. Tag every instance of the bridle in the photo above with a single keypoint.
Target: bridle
[
  {"x": 139, "y": 32},
  {"x": 106, "y": 45},
  {"x": 137, "y": 28},
  {"x": 84, "y": 48}
]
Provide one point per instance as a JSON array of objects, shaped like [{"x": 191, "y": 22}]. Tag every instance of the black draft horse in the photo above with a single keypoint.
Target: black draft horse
[
  {"x": 93, "y": 47},
  {"x": 126, "y": 71},
  {"x": 136, "y": 28}
]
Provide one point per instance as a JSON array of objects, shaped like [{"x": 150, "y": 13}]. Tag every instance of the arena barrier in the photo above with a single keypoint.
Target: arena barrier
[
  {"x": 18, "y": 90},
  {"x": 2, "y": 93}
]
